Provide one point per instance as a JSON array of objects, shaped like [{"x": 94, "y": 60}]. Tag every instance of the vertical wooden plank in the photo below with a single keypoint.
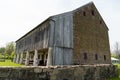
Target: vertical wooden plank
[
  {"x": 27, "y": 59},
  {"x": 68, "y": 31},
  {"x": 21, "y": 58},
  {"x": 18, "y": 56},
  {"x": 16, "y": 49},
  {"x": 15, "y": 58},
  {"x": 47, "y": 36},
  {"x": 30, "y": 41},
  {"x": 33, "y": 40},
  {"x": 44, "y": 38},
  {"x": 25, "y": 43},
  {"x": 57, "y": 56},
  {"x": 62, "y": 56},
  {"x": 40, "y": 38},
  {"x": 59, "y": 31},
  {"x": 37, "y": 39},
  {"x": 35, "y": 63},
  {"x": 50, "y": 57},
  {"x": 51, "y": 33},
  {"x": 68, "y": 56}
]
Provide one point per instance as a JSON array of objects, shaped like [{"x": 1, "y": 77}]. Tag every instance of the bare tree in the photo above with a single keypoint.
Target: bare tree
[{"x": 117, "y": 49}]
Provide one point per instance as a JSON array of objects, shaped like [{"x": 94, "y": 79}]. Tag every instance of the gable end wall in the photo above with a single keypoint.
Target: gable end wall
[{"x": 90, "y": 36}]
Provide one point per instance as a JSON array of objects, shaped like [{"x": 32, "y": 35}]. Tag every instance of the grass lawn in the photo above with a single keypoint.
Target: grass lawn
[{"x": 9, "y": 63}]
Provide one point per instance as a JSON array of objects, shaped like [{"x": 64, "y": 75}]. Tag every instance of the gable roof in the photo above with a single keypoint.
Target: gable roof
[{"x": 34, "y": 29}]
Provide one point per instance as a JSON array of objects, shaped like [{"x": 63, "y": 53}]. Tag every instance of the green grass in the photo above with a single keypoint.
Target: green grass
[{"x": 9, "y": 63}]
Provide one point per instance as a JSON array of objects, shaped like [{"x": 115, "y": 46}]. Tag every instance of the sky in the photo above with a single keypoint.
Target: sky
[{"x": 17, "y": 17}]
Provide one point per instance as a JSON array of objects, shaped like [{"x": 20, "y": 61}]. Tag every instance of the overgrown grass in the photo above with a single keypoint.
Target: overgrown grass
[{"x": 9, "y": 63}]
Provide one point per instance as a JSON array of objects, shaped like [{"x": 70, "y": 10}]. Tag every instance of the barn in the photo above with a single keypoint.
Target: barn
[{"x": 72, "y": 38}]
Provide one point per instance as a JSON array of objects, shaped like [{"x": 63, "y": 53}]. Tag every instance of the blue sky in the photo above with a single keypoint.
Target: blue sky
[{"x": 17, "y": 17}]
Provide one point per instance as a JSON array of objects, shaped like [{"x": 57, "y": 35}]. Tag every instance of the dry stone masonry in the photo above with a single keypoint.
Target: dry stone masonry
[{"x": 78, "y": 72}]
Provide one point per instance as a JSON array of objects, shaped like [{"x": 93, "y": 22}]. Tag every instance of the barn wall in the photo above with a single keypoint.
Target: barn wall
[
  {"x": 62, "y": 56},
  {"x": 63, "y": 27},
  {"x": 90, "y": 36},
  {"x": 62, "y": 39},
  {"x": 36, "y": 39},
  {"x": 56, "y": 33}
]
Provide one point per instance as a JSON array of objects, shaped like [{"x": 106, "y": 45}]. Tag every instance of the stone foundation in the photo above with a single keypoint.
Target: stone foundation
[{"x": 77, "y": 72}]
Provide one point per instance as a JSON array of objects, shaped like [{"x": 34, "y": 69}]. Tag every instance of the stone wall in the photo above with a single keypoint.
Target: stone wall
[
  {"x": 90, "y": 36},
  {"x": 77, "y": 72}
]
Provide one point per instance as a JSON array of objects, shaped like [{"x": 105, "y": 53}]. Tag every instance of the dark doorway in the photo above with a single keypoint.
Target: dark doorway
[
  {"x": 42, "y": 56},
  {"x": 42, "y": 60}
]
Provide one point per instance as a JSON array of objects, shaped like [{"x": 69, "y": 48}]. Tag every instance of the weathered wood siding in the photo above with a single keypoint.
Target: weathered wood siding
[
  {"x": 36, "y": 39},
  {"x": 62, "y": 39},
  {"x": 56, "y": 33},
  {"x": 62, "y": 56},
  {"x": 63, "y": 35}
]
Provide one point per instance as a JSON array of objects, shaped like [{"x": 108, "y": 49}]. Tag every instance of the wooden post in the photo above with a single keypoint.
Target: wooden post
[
  {"x": 27, "y": 59},
  {"x": 14, "y": 60},
  {"x": 35, "y": 63},
  {"x": 49, "y": 59},
  {"x": 17, "y": 60},
  {"x": 21, "y": 58}
]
